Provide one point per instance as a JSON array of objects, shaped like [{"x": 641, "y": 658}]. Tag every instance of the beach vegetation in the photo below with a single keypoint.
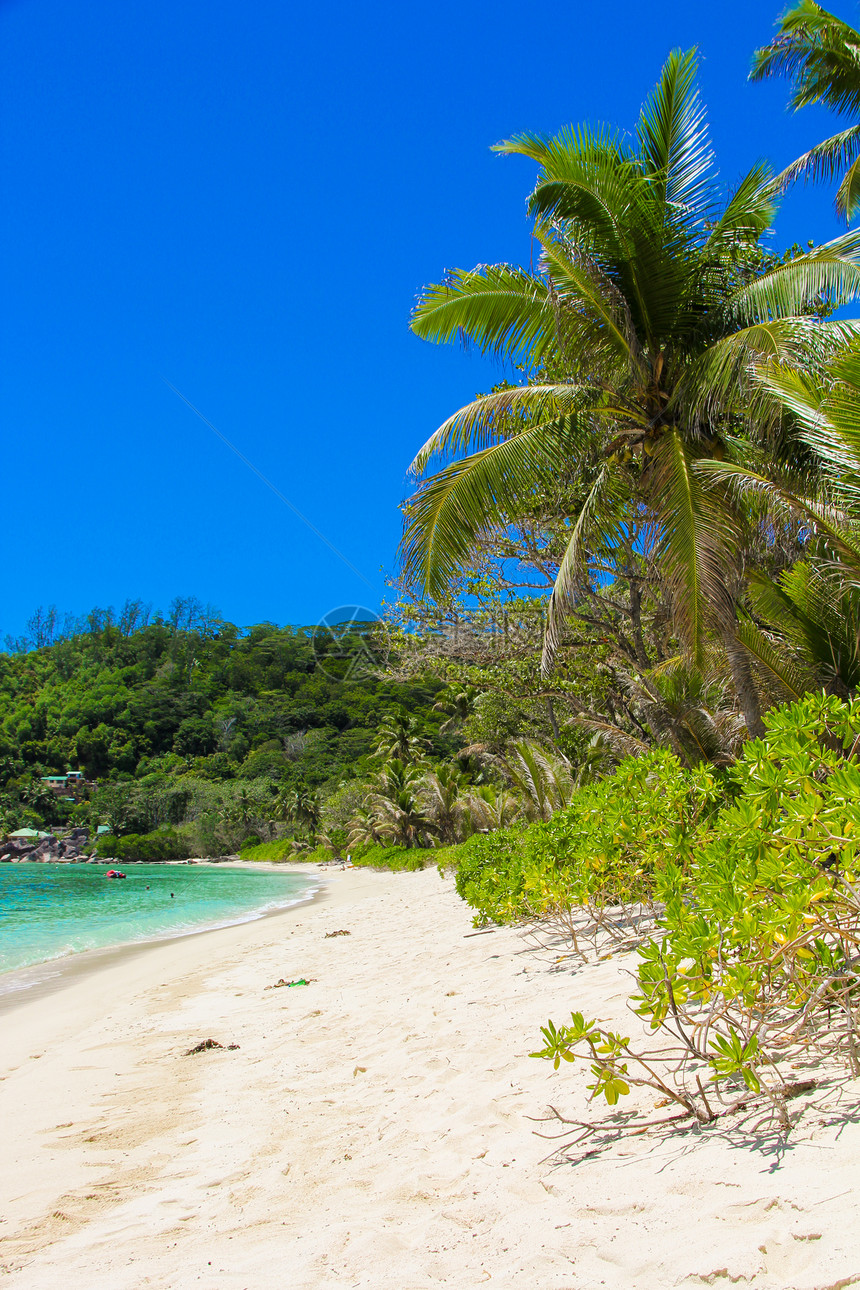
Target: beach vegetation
[
  {"x": 165, "y": 844},
  {"x": 603, "y": 864},
  {"x": 399, "y": 859},
  {"x": 748, "y": 965}
]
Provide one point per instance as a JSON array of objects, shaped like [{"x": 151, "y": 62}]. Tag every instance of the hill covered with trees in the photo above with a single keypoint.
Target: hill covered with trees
[{"x": 188, "y": 721}]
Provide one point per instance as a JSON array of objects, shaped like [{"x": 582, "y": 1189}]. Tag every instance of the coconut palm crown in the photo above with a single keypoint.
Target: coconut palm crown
[
  {"x": 651, "y": 307},
  {"x": 821, "y": 55}
]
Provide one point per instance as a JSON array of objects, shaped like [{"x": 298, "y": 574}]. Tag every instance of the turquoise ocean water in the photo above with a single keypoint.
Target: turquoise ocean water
[{"x": 49, "y": 911}]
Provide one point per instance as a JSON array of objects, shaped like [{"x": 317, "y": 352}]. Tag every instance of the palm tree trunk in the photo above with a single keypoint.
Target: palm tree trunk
[{"x": 744, "y": 682}]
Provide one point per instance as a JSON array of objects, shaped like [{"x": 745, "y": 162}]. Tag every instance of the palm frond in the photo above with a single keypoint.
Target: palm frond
[
  {"x": 595, "y": 514},
  {"x": 562, "y": 156},
  {"x": 620, "y": 741},
  {"x": 819, "y": 52},
  {"x": 721, "y": 376},
  {"x": 499, "y": 308},
  {"x": 732, "y": 373},
  {"x": 589, "y": 182},
  {"x": 807, "y": 609},
  {"x": 544, "y": 778},
  {"x": 825, "y": 161},
  {"x": 847, "y": 199},
  {"x": 588, "y": 296},
  {"x": 695, "y": 539},
  {"x": 488, "y": 420},
  {"x": 673, "y": 136},
  {"x": 823, "y": 621},
  {"x": 749, "y": 211},
  {"x": 467, "y": 497},
  {"x": 830, "y": 272},
  {"x": 781, "y": 500},
  {"x": 828, "y": 419},
  {"x": 782, "y": 672}
]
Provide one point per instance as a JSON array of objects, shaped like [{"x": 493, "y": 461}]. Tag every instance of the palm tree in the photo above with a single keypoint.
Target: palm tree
[
  {"x": 37, "y": 796},
  {"x": 687, "y": 709},
  {"x": 397, "y": 737},
  {"x": 444, "y": 797},
  {"x": 640, "y": 332},
  {"x": 457, "y": 702},
  {"x": 300, "y": 805},
  {"x": 821, "y": 55},
  {"x": 544, "y": 779},
  {"x": 492, "y": 808},
  {"x": 404, "y": 819},
  {"x": 596, "y": 761},
  {"x": 808, "y": 631},
  {"x": 366, "y": 828},
  {"x": 394, "y": 809}
]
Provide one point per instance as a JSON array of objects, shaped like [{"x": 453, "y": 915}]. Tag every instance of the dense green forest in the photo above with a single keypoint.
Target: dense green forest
[{"x": 190, "y": 722}]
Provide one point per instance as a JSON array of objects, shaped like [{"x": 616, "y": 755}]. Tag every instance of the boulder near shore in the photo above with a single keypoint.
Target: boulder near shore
[{"x": 70, "y": 849}]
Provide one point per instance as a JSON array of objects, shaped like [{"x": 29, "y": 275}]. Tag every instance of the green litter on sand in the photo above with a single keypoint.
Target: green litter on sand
[{"x": 288, "y": 984}]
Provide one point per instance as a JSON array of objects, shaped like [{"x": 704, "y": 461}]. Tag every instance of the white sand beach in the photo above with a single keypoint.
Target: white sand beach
[{"x": 372, "y": 1128}]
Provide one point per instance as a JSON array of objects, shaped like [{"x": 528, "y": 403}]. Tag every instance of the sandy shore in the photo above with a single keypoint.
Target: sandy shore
[{"x": 371, "y": 1129}]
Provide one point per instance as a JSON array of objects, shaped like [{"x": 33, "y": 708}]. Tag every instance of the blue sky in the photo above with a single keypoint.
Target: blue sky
[{"x": 243, "y": 200}]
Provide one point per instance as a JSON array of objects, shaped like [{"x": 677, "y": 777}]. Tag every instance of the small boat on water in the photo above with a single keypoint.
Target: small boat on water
[{"x": 114, "y": 873}]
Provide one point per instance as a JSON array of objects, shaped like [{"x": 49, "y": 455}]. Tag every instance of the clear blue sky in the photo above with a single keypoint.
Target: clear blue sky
[{"x": 244, "y": 199}]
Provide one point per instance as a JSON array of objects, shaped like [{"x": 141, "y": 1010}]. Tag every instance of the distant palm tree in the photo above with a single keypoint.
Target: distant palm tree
[
  {"x": 404, "y": 819},
  {"x": 366, "y": 828},
  {"x": 458, "y": 704},
  {"x": 300, "y": 805},
  {"x": 445, "y": 798},
  {"x": 395, "y": 809},
  {"x": 596, "y": 761},
  {"x": 397, "y": 737},
  {"x": 651, "y": 307},
  {"x": 821, "y": 55},
  {"x": 37, "y": 796},
  {"x": 544, "y": 779},
  {"x": 493, "y": 808}
]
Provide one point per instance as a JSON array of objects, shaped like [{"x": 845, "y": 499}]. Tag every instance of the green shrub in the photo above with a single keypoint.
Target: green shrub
[
  {"x": 273, "y": 852},
  {"x": 395, "y": 858},
  {"x": 165, "y": 844},
  {"x": 768, "y": 931},
  {"x": 319, "y": 855},
  {"x": 753, "y": 968},
  {"x": 626, "y": 840},
  {"x": 449, "y": 859}
]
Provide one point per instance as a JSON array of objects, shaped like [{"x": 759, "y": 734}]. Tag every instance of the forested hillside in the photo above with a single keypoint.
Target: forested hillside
[{"x": 204, "y": 723}]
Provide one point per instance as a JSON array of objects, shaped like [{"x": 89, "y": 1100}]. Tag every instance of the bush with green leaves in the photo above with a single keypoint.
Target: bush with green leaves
[
  {"x": 166, "y": 844},
  {"x": 755, "y": 964},
  {"x": 623, "y": 844},
  {"x": 398, "y": 859},
  {"x": 272, "y": 852}
]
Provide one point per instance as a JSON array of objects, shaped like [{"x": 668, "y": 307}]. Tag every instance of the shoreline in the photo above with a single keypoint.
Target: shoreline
[
  {"x": 377, "y": 1128},
  {"x": 47, "y": 976}
]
